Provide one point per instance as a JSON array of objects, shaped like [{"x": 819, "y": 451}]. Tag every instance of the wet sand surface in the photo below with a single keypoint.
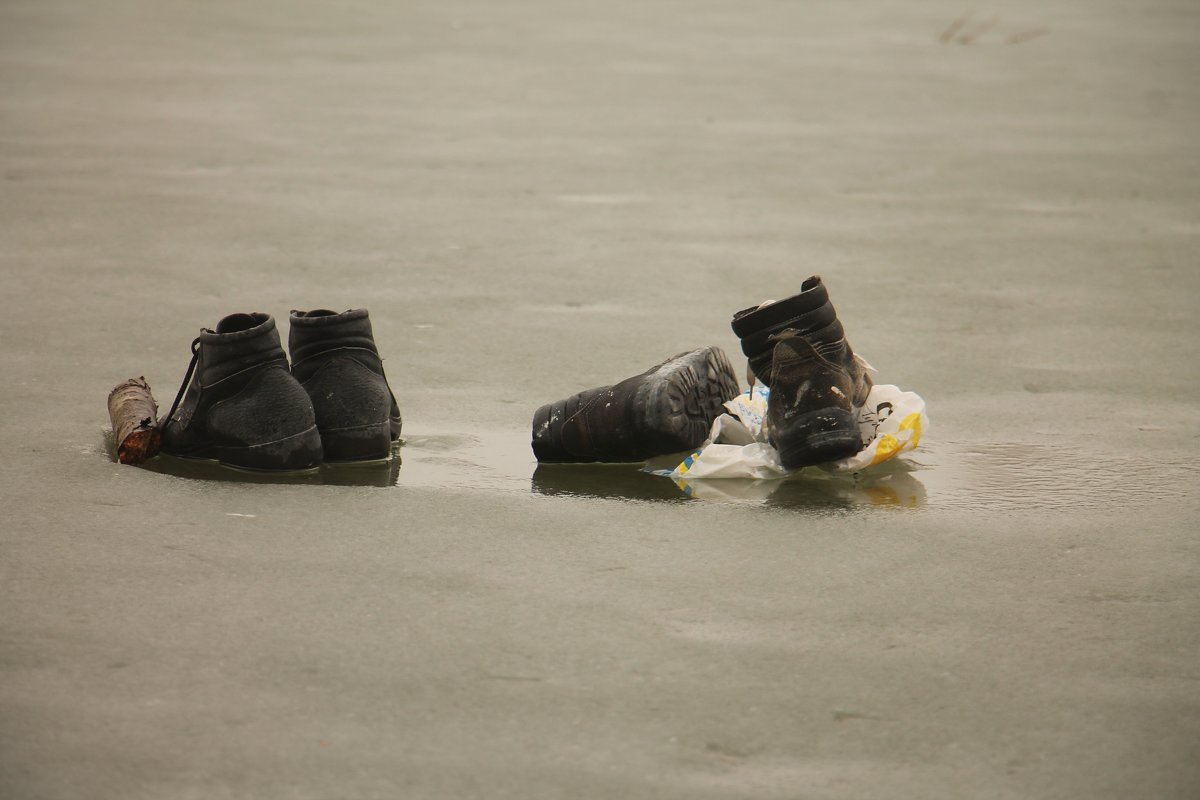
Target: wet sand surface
[{"x": 536, "y": 197}]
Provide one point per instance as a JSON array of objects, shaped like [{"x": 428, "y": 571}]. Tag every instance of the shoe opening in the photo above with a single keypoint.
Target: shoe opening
[{"x": 241, "y": 322}]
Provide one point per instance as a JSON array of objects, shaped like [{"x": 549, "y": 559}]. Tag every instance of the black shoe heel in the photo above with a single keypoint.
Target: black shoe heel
[
  {"x": 298, "y": 452},
  {"x": 363, "y": 443}
]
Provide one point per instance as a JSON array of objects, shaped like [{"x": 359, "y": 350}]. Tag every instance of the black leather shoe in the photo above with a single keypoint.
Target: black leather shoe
[
  {"x": 335, "y": 359},
  {"x": 239, "y": 404},
  {"x": 668, "y": 408}
]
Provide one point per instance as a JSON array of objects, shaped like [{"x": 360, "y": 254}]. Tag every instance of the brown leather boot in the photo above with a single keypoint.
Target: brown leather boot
[{"x": 817, "y": 390}]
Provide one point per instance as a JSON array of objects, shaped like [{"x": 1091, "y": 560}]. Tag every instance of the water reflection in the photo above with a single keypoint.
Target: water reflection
[
  {"x": 374, "y": 473},
  {"x": 972, "y": 476},
  {"x": 891, "y": 487},
  {"x": 816, "y": 490},
  {"x": 500, "y": 461},
  {"x": 612, "y": 481}
]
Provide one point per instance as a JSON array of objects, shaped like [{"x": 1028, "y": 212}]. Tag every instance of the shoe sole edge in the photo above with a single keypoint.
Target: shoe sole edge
[
  {"x": 817, "y": 437},
  {"x": 294, "y": 453},
  {"x": 371, "y": 442},
  {"x": 676, "y": 413}
]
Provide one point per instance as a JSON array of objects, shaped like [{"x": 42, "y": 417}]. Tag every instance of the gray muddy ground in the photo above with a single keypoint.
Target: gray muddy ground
[{"x": 536, "y": 197}]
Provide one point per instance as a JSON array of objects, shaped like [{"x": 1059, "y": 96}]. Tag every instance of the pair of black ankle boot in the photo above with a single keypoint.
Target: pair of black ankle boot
[
  {"x": 797, "y": 347},
  {"x": 243, "y": 404}
]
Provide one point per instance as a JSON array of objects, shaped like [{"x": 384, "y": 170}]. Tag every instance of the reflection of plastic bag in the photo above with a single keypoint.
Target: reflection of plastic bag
[
  {"x": 891, "y": 422},
  {"x": 890, "y": 484}
]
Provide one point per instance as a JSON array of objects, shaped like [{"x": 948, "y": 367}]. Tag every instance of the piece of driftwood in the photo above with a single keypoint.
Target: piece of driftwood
[{"x": 132, "y": 409}]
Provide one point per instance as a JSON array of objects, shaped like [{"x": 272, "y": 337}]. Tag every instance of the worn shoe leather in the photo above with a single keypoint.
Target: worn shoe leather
[
  {"x": 239, "y": 404},
  {"x": 817, "y": 390},
  {"x": 666, "y": 409},
  {"x": 335, "y": 359}
]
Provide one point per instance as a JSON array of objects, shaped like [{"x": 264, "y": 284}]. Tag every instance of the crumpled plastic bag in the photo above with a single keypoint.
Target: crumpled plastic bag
[{"x": 891, "y": 422}]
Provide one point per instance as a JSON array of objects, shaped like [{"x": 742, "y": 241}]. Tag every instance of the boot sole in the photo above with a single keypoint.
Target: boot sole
[
  {"x": 817, "y": 437},
  {"x": 296, "y": 453},
  {"x": 676, "y": 406},
  {"x": 364, "y": 443}
]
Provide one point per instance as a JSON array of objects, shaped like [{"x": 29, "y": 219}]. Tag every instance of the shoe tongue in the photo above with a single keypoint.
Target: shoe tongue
[{"x": 238, "y": 322}]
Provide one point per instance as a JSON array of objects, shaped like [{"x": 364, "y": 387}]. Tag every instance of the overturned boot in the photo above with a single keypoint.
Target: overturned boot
[
  {"x": 668, "y": 408},
  {"x": 335, "y": 359},
  {"x": 798, "y": 348},
  {"x": 239, "y": 404}
]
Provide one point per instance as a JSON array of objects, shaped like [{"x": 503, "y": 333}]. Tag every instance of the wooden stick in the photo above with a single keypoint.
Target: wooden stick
[{"x": 132, "y": 409}]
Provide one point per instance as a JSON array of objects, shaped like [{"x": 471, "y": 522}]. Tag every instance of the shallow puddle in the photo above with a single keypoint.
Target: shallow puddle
[{"x": 994, "y": 477}]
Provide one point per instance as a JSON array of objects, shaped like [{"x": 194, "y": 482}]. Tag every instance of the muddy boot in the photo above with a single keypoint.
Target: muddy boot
[
  {"x": 335, "y": 359},
  {"x": 817, "y": 390},
  {"x": 668, "y": 408},
  {"x": 797, "y": 347},
  {"x": 239, "y": 404}
]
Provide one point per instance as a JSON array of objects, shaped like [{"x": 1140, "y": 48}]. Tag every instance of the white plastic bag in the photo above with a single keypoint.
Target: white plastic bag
[{"x": 891, "y": 422}]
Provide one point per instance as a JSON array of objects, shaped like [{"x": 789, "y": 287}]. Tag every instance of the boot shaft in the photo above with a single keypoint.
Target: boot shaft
[
  {"x": 810, "y": 312},
  {"x": 312, "y": 333},
  {"x": 240, "y": 341}
]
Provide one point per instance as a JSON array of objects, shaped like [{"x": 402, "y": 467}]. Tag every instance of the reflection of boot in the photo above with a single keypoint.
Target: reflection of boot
[
  {"x": 334, "y": 357},
  {"x": 668, "y": 408},
  {"x": 893, "y": 486},
  {"x": 604, "y": 480},
  {"x": 798, "y": 348},
  {"x": 239, "y": 404}
]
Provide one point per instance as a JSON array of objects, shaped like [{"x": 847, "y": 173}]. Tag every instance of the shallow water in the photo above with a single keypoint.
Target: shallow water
[{"x": 942, "y": 476}]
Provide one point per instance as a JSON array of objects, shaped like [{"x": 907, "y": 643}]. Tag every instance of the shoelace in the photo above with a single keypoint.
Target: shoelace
[{"x": 187, "y": 378}]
